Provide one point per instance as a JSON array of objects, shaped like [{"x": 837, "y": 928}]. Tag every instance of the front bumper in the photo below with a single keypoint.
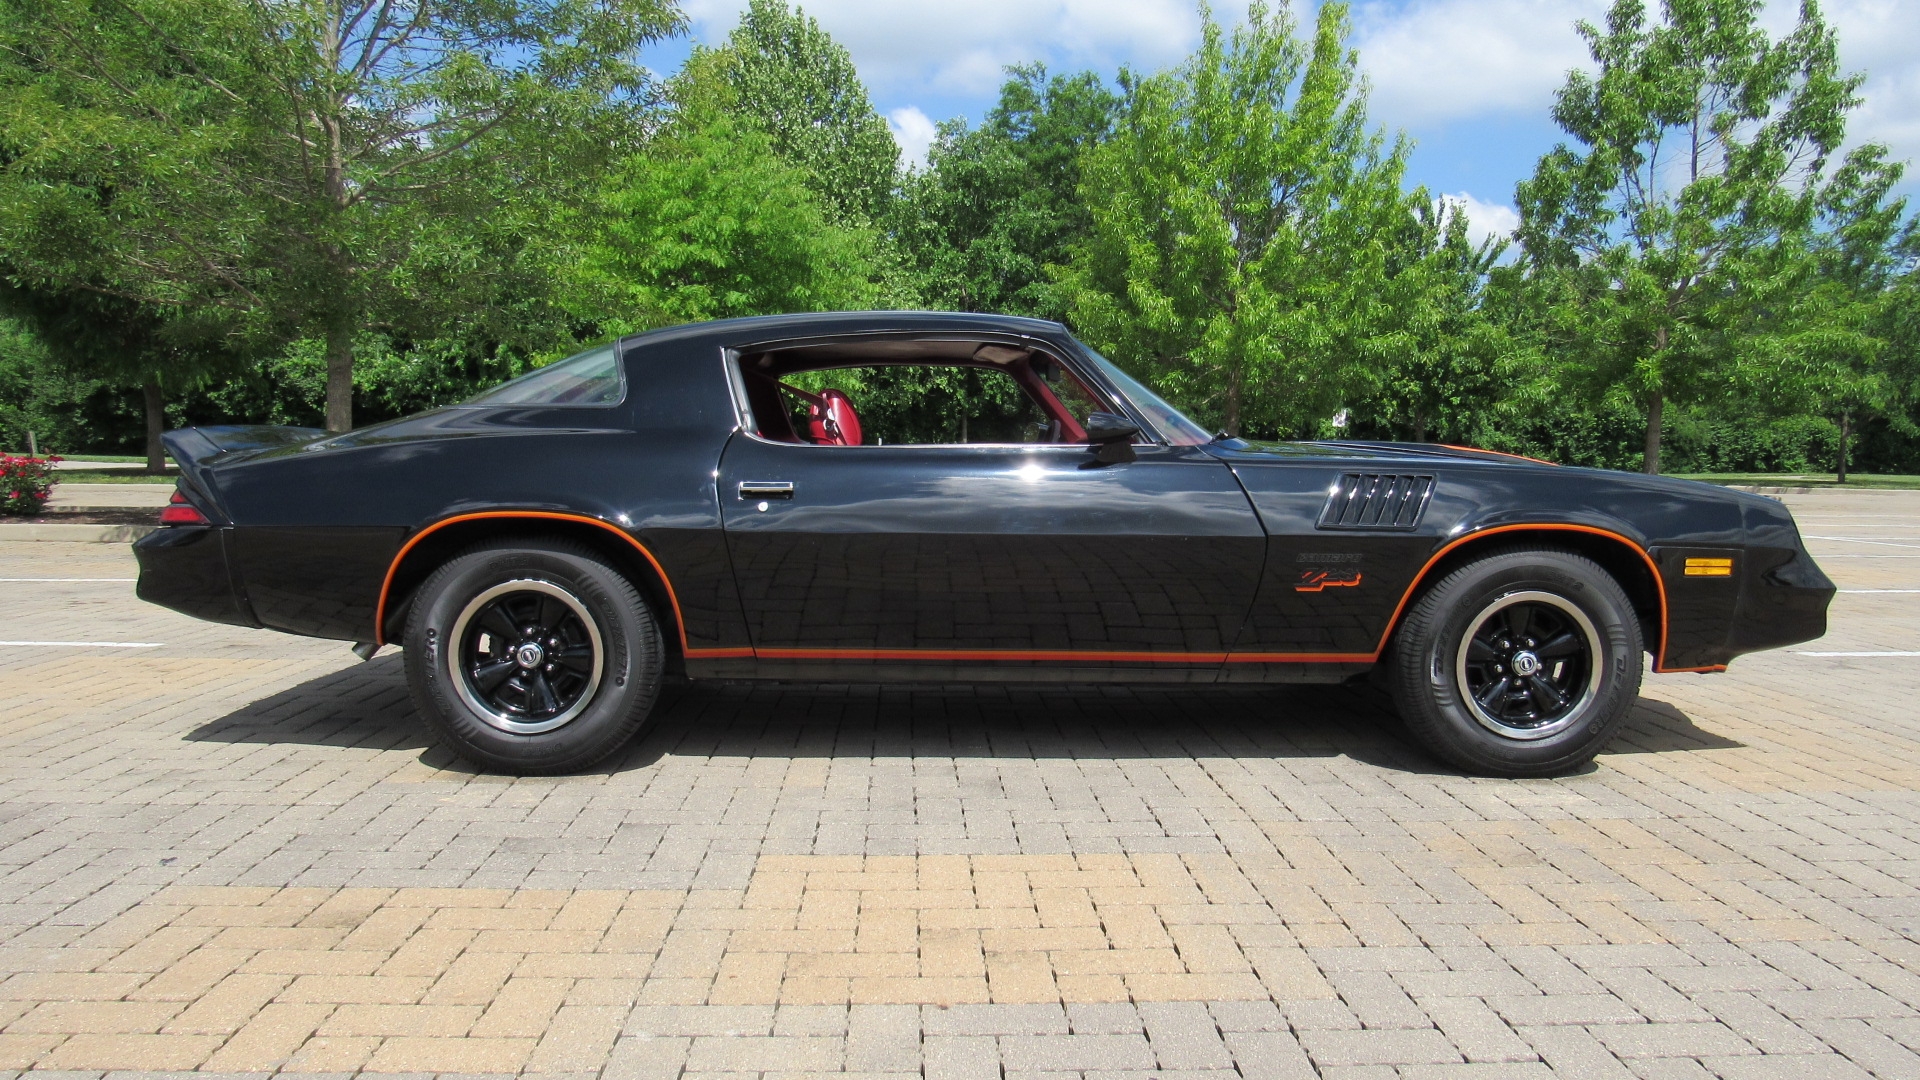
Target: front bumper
[
  {"x": 185, "y": 567},
  {"x": 1778, "y": 596},
  {"x": 1781, "y": 604}
]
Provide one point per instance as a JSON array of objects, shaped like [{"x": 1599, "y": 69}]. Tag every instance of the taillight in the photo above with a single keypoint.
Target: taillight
[{"x": 181, "y": 512}]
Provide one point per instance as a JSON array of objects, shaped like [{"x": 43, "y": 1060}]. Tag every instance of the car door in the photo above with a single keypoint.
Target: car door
[{"x": 988, "y": 561}]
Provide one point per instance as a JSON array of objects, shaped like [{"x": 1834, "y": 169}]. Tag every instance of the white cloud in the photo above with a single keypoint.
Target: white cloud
[
  {"x": 1431, "y": 62},
  {"x": 960, "y": 46},
  {"x": 1484, "y": 219},
  {"x": 1880, "y": 38},
  {"x": 915, "y": 132},
  {"x": 1438, "y": 60}
]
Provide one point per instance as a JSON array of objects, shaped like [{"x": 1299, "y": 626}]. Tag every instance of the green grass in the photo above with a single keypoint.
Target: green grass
[
  {"x": 85, "y": 476},
  {"x": 22, "y": 452},
  {"x": 1813, "y": 480}
]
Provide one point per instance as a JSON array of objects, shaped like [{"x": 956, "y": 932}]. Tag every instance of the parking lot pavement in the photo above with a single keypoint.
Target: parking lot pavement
[{"x": 237, "y": 852}]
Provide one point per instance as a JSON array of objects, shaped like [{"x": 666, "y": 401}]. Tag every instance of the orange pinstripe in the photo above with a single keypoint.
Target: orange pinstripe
[{"x": 1039, "y": 655}]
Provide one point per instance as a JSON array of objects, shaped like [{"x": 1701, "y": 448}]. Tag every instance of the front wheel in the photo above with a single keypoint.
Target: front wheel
[
  {"x": 532, "y": 656},
  {"x": 1523, "y": 663}
]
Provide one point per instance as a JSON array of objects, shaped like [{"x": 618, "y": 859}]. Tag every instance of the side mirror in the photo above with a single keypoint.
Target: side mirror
[{"x": 1111, "y": 437}]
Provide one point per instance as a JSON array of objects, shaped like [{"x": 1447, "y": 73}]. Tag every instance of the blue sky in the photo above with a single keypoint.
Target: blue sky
[{"x": 1471, "y": 81}]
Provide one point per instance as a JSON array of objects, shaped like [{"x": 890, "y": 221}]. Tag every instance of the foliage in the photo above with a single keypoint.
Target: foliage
[
  {"x": 1448, "y": 358},
  {"x": 1234, "y": 257},
  {"x": 25, "y": 483},
  {"x": 792, "y": 80},
  {"x": 1687, "y": 213},
  {"x": 1000, "y": 203},
  {"x": 310, "y": 162},
  {"x": 1845, "y": 343},
  {"x": 41, "y": 396},
  {"x": 216, "y": 198},
  {"x": 709, "y": 223}
]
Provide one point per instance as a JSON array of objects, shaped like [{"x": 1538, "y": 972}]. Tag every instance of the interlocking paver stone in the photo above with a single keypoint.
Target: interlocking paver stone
[{"x": 239, "y": 854}]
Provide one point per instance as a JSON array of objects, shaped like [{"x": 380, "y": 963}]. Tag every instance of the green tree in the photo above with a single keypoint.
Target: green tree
[
  {"x": 709, "y": 223},
  {"x": 797, "y": 84},
  {"x": 297, "y": 160},
  {"x": 1235, "y": 253},
  {"x": 1843, "y": 322},
  {"x": 1001, "y": 202},
  {"x": 1447, "y": 358},
  {"x": 95, "y": 335},
  {"x": 1687, "y": 212}
]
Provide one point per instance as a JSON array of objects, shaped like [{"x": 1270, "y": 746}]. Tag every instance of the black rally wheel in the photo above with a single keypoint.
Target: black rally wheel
[
  {"x": 532, "y": 656},
  {"x": 1522, "y": 663}
]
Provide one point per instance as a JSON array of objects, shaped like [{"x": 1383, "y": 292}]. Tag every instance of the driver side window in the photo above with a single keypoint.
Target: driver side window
[
  {"x": 964, "y": 394},
  {"x": 924, "y": 405}
]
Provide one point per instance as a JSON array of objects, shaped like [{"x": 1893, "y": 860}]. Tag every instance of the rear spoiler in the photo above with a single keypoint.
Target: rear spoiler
[
  {"x": 196, "y": 448},
  {"x": 196, "y": 444}
]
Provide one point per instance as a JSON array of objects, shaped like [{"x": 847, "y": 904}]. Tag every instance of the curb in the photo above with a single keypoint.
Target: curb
[
  {"x": 1850, "y": 489},
  {"x": 75, "y": 534}
]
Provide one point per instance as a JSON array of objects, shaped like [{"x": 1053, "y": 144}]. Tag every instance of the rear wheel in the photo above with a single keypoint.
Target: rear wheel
[
  {"x": 1523, "y": 663},
  {"x": 532, "y": 656}
]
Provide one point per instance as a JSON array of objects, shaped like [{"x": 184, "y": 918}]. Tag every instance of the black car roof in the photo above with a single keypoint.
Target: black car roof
[{"x": 833, "y": 322}]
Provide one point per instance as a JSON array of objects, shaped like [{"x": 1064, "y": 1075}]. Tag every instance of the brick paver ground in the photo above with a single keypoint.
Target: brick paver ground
[{"x": 238, "y": 853}]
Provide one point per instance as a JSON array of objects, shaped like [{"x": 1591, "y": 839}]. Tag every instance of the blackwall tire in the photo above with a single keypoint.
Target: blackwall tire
[
  {"x": 532, "y": 657},
  {"x": 1523, "y": 663}
]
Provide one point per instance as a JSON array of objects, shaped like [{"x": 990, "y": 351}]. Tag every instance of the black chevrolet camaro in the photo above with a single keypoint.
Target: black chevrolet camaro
[{"x": 954, "y": 498}]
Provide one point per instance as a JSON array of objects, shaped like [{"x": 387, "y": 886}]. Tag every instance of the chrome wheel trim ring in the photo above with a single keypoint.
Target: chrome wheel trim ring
[
  {"x": 456, "y": 651},
  {"x": 1588, "y": 693}
]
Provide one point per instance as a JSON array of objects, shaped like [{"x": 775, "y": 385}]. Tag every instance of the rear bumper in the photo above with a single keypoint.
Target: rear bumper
[{"x": 185, "y": 567}]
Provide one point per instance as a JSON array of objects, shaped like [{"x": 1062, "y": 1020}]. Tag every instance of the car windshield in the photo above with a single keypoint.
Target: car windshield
[
  {"x": 1172, "y": 423},
  {"x": 589, "y": 378}
]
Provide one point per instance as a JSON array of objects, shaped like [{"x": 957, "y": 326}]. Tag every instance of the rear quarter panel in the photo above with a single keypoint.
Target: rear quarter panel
[{"x": 318, "y": 527}]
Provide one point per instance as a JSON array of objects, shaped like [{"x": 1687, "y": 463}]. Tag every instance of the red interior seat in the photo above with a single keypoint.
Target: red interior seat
[{"x": 832, "y": 421}]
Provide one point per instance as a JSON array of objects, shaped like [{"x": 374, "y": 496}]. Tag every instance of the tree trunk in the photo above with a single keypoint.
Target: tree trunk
[
  {"x": 1846, "y": 435},
  {"x": 1655, "y": 404},
  {"x": 1231, "y": 422},
  {"x": 156, "y": 407},
  {"x": 340, "y": 372}
]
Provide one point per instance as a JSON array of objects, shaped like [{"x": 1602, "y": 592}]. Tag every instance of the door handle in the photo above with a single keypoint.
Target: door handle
[{"x": 766, "y": 489}]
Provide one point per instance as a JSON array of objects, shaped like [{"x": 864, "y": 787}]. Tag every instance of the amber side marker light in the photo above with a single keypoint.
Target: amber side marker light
[
  {"x": 1709, "y": 567},
  {"x": 181, "y": 512}
]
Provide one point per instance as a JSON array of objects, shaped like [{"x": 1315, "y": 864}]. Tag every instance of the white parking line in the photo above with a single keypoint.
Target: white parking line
[
  {"x": 1880, "y": 590},
  {"x": 1874, "y": 540},
  {"x": 1857, "y": 654},
  {"x": 84, "y": 644},
  {"x": 68, "y": 579}
]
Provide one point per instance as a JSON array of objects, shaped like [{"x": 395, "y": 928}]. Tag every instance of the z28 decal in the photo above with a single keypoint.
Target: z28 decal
[{"x": 1318, "y": 580}]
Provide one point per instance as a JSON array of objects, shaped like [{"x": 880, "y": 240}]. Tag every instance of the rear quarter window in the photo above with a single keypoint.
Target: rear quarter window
[{"x": 589, "y": 378}]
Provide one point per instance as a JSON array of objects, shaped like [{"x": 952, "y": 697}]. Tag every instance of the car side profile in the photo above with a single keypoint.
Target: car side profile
[{"x": 930, "y": 497}]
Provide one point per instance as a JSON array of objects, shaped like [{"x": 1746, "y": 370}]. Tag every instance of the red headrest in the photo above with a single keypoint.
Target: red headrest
[{"x": 832, "y": 421}]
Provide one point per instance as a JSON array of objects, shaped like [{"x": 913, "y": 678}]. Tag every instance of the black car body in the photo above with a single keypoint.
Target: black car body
[{"x": 765, "y": 555}]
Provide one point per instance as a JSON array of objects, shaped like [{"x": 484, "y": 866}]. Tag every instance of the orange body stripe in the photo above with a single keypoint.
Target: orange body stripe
[
  {"x": 1498, "y": 453},
  {"x": 1659, "y": 584},
  {"x": 1041, "y": 656},
  {"x": 380, "y": 611}
]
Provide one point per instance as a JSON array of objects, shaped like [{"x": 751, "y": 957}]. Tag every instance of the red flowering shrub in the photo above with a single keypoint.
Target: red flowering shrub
[{"x": 25, "y": 483}]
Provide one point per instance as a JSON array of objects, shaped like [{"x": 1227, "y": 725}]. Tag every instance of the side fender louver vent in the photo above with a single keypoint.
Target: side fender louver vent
[{"x": 1377, "y": 501}]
